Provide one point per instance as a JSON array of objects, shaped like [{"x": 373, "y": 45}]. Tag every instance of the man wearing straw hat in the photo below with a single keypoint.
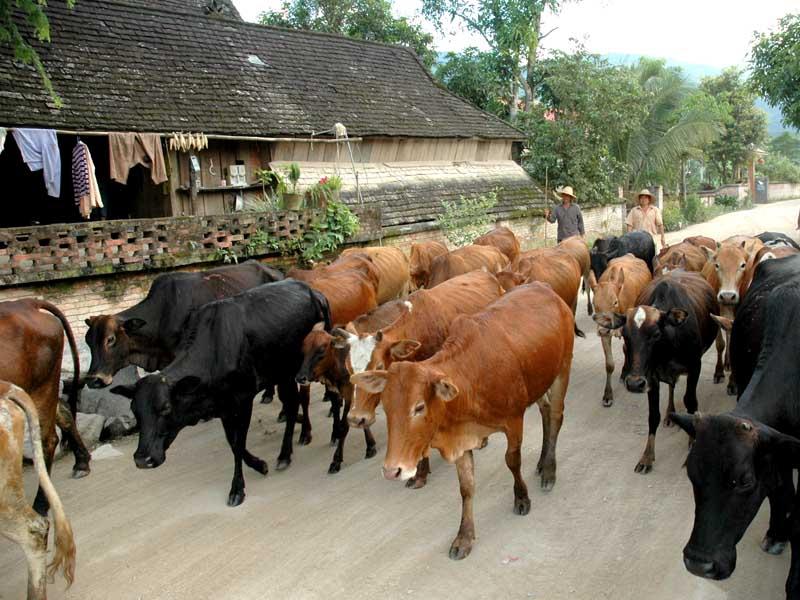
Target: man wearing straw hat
[
  {"x": 647, "y": 217},
  {"x": 568, "y": 214}
]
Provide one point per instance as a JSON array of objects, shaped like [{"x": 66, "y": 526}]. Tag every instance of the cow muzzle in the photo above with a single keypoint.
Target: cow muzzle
[
  {"x": 147, "y": 462},
  {"x": 393, "y": 473},
  {"x": 302, "y": 379},
  {"x": 707, "y": 567},
  {"x": 635, "y": 384},
  {"x": 360, "y": 419},
  {"x": 728, "y": 297},
  {"x": 99, "y": 380}
]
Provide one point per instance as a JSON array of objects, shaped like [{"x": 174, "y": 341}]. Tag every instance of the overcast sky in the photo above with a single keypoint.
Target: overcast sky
[{"x": 708, "y": 32}]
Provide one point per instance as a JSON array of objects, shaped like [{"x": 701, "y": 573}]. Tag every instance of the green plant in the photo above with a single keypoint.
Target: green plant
[
  {"x": 726, "y": 201},
  {"x": 692, "y": 208},
  {"x": 672, "y": 217},
  {"x": 463, "y": 221},
  {"x": 328, "y": 234},
  {"x": 294, "y": 176},
  {"x": 273, "y": 179},
  {"x": 226, "y": 255}
]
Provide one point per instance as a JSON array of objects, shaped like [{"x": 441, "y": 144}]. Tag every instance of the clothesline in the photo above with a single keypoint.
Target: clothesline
[{"x": 222, "y": 137}]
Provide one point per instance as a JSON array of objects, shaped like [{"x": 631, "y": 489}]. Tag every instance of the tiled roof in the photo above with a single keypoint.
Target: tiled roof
[{"x": 132, "y": 67}]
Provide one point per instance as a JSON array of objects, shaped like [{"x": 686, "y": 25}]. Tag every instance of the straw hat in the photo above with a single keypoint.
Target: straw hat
[
  {"x": 645, "y": 192},
  {"x": 567, "y": 189}
]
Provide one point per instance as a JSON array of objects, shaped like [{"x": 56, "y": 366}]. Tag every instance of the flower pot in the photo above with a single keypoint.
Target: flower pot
[{"x": 293, "y": 201}]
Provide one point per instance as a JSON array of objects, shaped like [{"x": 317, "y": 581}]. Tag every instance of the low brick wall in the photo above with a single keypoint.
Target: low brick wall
[{"x": 783, "y": 191}]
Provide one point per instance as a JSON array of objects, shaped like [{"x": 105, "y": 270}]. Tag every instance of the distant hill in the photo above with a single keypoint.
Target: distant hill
[{"x": 695, "y": 73}]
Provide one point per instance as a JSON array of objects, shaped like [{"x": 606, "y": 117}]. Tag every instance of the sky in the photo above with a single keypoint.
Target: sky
[{"x": 717, "y": 33}]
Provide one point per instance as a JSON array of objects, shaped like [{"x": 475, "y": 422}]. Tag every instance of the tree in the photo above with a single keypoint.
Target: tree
[
  {"x": 20, "y": 43},
  {"x": 779, "y": 168},
  {"x": 775, "y": 66},
  {"x": 361, "y": 19},
  {"x": 745, "y": 126},
  {"x": 511, "y": 28},
  {"x": 477, "y": 77},
  {"x": 786, "y": 144}
]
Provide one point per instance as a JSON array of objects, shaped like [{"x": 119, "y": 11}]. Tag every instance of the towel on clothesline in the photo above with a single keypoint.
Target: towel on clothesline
[
  {"x": 39, "y": 149},
  {"x": 126, "y": 150},
  {"x": 84, "y": 181},
  {"x": 3, "y": 133}
]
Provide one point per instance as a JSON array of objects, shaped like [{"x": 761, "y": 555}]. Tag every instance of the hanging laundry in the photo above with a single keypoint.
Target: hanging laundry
[
  {"x": 39, "y": 149},
  {"x": 84, "y": 181},
  {"x": 126, "y": 150},
  {"x": 3, "y": 132}
]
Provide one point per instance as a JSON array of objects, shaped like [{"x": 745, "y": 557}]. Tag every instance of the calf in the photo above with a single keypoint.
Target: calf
[
  {"x": 32, "y": 347},
  {"x": 470, "y": 389},
  {"x": 393, "y": 270},
  {"x": 420, "y": 259},
  {"x": 466, "y": 259},
  {"x": 231, "y": 347},
  {"x": 148, "y": 333},
  {"x": 666, "y": 335},
  {"x": 740, "y": 458},
  {"x": 685, "y": 255},
  {"x": 503, "y": 239},
  {"x": 577, "y": 247},
  {"x": 638, "y": 243},
  {"x": 18, "y": 522},
  {"x": 616, "y": 292}
]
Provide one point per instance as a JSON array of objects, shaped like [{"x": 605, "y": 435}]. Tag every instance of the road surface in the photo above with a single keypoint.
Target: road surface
[{"x": 603, "y": 532}]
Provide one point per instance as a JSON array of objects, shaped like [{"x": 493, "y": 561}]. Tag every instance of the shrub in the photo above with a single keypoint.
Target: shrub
[
  {"x": 463, "y": 221},
  {"x": 725, "y": 201},
  {"x": 672, "y": 216},
  {"x": 692, "y": 208}
]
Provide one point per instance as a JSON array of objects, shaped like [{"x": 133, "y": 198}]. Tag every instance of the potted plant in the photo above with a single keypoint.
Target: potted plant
[
  {"x": 275, "y": 181},
  {"x": 293, "y": 200},
  {"x": 324, "y": 191}
]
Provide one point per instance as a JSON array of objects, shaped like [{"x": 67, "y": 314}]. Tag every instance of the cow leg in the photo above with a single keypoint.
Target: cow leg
[
  {"x": 544, "y": 411},
  {"x": 556, "y": 395},
  {"x": 230, "y": 423},
  {"x": 793, "y": 581},
  {"x": 671, "y": 404},
  {"x": 421, "y": 478},
  {"x": 340, "y": 430},
  {"x": 336, "y": 405},
  {"x": 305, "y": 427},
  {"x": 522, "y": 502},
  {"x": 29, "y": 530},
  {"x": 732, "y": 389},
  {"x": 645, "y": 464},
  {"x": 462, "y": 544},
  {"x": 268, "y": 395},
  {"x": 690, "y": 397},
  {"x": 69, "y": 430},
  {"x": 780, "y": 505},
  {"x": 290, "y": 397},
  {"x": 719, "y": 370},
  {"x": 369, "y": 439},
  {"x": 608, "y": 393},
  {"x": 587, "y": 288}
]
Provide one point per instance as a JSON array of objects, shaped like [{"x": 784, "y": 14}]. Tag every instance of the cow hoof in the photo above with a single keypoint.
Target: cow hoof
[
  {"x": 266, "y": 398},
  {"x": 283, "y": 464},
  {"x": 235, "y": 498},
  {"x": 416, "y": 483},
  {"x": 460, "y": 548},
  {"x": 304, "y": 439},
  {"x": 260, "y": 466},
  {"x": 771, "y": 546},
  {"x": 608, "y": 401},
  {"x": 732, "y": 391},
  {"x": 667, "y": 422},
  {"x": 334, "y": 468},
  {"x": 643, "y": 468},
  {"x": 371, "y": 451},
  {"x": 522, "y": 506},
  {"x": 718, "y": 378},
  {"x": 548, "y": 483},
  {"x": 80, "y": 473},
  {"x": 281, "y": 417}
]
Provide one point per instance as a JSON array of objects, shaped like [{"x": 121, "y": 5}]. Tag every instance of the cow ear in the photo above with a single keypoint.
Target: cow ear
[
  {"x": 724, "y": 322},
  {"x": 784, "y": 447},
  {"x": 351, "y": 328},
  {"x": 719, "y": 245},
  {"x": 318, "y": 326},
  {"x": 685, "y": 421},
  {"x": 744, "y": 244},
  {"x": 609, "y": 320},
  {"x": 445, "y": 389},
  {"x": 618, "y": 277},
  {"x": 404, "y": 349},
  {"x": 129, "y": 391},
  {"x": 187, "y": 385},
  {"x": 89, "y": 321},
  {"x": 370, "y": 381},
  {"x": 676, "y": 316},
  {"x": 709, "y": 252},
  {"x": 131, "y": 325}
]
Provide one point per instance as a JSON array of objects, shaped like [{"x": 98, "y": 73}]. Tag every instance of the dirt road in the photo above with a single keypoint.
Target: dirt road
[{"x": 603, "y": 532}]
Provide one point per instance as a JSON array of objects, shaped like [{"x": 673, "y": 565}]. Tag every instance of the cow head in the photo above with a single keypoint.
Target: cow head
[
  {"x": 162, "y": 408},
  {"x": 733, "y": 465},
  {"x": 318, "y": 355},
  {"x": 606, "y": 292},
  {"x": 729, "y": 262},
  {"x": 599, "y": 257},
  {"x": 110, "y": 344},
  {"x": 414, "y": 398},
  {"x": 508, "y": 280},
  {"x": 647, "y": 332}
]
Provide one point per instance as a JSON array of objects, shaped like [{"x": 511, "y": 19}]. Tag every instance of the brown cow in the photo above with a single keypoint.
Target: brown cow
[
  {"x": 393, "y": 270},
  {"x": 700, "y": 241},
  {"x": 577, "y": 247},
  {"x": 355, "y": 261},
  {"x": 556, "y": 267},
  {"x": 684, "y": 255},
  {"x": 617, "y": 291},
  {"x": 380, "y": 316},
  {"x": 420, "y": 259},
  {"x": 748, "y": 242},
  {"x": 18, "y": 522},
  {"x": 503, "y": 239},
  {"x": 472, "y": 388},
  {"x": 350, "y": 294},
  {"x": 32, "y": 346},
  {"x": 466, "y": 259}
]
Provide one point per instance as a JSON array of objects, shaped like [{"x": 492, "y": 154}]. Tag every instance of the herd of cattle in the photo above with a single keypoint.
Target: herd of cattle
[{"x": 488, "y": 332}]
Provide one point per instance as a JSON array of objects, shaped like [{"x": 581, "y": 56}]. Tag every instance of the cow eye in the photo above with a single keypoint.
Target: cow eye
[
  {"x": 166, "y": 410},
  {"x": 656, "y": 335},
  {"x": 742, "y": 266},
  {"x": 379, "y": 366},
  {"x": 111, "y": 340},
  {"x": 717, "y": 266},
  {"x": 744, "y": 484},
  {"x": 419, "y": 409}
]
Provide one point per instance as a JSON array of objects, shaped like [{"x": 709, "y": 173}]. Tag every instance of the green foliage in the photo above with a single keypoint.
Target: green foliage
[
  {"x": 787, "y": 144},
  {"x": 745, "y": 126},
  {"x": 464, "y": 220},
  {"x": 330, "y": 233},
  {"x": 294, "y": 176},
  {"x": 273, "y": 179},
  {"x": 479, "y": 77},
  {"x": 361, "y": 19},
  {"x": 325, "y": 190},
  {"x": 10, "y": 35},
  {"x": 672, "y": 216},
  {"x": 692, "y": 208},
  {"x": 775, "y": 68},
  {"x": 779, "y": 169},
  {"x": 729, "y": 202}
]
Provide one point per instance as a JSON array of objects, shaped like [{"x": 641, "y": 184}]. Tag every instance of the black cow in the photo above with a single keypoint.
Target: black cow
[
  {"x": 665, "y": 336},
  {"x": 744, "y": 456},
  {"x": 638, "y": 243},
  {"x": 774, "y": 237},
  {"x": 230, "y": 348},
  {"x": 148, "y": 333}
]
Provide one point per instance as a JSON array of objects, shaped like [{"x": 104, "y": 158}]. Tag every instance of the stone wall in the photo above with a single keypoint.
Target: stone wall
[
  {"x": 776, "y": 192},
  {"x": 783, "y": 191}
]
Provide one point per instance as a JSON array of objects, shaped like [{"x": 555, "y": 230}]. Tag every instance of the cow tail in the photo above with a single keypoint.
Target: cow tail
[
  {"x": 64, "y": 557},
  {"x": 76, "y": 386}
]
